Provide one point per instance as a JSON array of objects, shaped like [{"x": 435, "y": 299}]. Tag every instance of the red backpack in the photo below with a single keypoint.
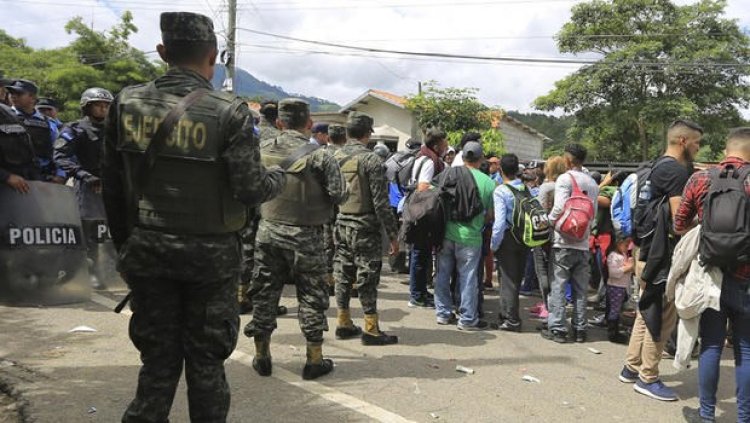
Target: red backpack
[{"x": 577, "y": 214}]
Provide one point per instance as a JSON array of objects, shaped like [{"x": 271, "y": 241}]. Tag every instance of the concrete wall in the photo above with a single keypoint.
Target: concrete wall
[{"x": 520, "y": 142}]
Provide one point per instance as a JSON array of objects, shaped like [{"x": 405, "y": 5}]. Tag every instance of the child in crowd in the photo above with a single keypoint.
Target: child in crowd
[{"x": 621, "y": 267}]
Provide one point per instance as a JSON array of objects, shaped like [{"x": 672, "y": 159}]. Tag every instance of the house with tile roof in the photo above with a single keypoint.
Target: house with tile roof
[{"x": 393, "y": 119}]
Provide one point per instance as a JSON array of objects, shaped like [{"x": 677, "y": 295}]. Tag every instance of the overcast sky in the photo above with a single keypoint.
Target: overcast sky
[{"x": 518, "y": 28}]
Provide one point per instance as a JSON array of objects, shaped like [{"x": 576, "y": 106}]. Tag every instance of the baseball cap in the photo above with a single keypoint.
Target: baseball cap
[{"x": 472, "y": 151}]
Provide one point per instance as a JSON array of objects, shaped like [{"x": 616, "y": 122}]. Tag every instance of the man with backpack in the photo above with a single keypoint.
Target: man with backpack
[
  {"x": 400, "y": 163},
  {"x": 426, "y": 167},
  {"x": 517, "y": 214},
  {"x": 658, "y": 194},
  {"x": 468, "y": 199},
  {"x": 720, "y": 198},
  {"x": 572, "y": 214}
]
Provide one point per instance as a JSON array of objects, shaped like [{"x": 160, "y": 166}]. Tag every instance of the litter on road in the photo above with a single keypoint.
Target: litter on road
[
  {"x": 463, "y": 369},
  {"x": 531, "y": 379},
  {"x": 82, "y": 329}
]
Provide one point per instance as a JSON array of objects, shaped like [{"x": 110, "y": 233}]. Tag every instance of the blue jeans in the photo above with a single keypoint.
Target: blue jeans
[
  {"x": 568, "y": 265},
  {"x": 465, "y": 259},
  {"x": 530, "y": 281},
  {"x": 419, "y": 265},
  {"x": 713, "y": 331}
]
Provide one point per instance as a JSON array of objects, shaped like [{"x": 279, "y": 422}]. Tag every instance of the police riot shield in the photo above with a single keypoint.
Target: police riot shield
[
  {"x": 42, "y": 250},
  {"x": 102, "y": 256}
]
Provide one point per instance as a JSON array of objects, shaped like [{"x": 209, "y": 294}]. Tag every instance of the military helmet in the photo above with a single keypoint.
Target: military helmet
[
  {"x": 381, "y": 150},
  {"x": 95, "y": 94}
]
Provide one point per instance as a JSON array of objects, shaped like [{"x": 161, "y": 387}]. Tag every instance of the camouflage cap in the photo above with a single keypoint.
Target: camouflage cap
[
  {"x": 359, "y": 120},
  {"x": 335, "y": 130},
  {"x": 293, "y": 108},
  {"x": 186, "y": 26}
]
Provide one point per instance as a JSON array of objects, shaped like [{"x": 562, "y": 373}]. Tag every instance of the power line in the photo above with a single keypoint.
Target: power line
[{"x": 484, "y": 58}]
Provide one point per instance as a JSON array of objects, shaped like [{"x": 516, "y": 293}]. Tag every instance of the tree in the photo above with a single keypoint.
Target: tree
[
  {"x": 456, "y": 111},
  {"x": 93, "y": 59},
  {"x": 658, "y": 61}
]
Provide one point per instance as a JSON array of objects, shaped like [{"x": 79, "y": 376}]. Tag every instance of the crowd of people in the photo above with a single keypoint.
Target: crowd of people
[{"x": 313, "y": 203}]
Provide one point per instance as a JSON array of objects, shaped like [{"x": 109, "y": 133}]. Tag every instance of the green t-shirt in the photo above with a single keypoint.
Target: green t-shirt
[{"x": 470, "y": 233}]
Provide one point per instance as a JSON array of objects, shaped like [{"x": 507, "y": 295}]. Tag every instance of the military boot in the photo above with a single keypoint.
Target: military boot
[
  {"x": 373, "y": 335},
  {"x": 346, "y": 328},
  {"x": 316, "y": 365},
  {"x": 262, "y": 359},
  {"x": 246, "y": 305}
]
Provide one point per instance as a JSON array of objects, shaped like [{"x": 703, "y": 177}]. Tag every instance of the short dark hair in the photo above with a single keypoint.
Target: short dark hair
[
  {"x": 434, "y": 136},
  {"x": 270, "y": 110},
  {"x": 337, "y": 138},
  {"x": 509, "y": 164},
  {"x": 295, "y": 121},
  {"x": 182, "y": 52},
  {"x": 577, "y": 152},
  {"x": 470, "y": 136},
  {"x": 687, "y": 124},
  {"x": 357, "y": 132}
]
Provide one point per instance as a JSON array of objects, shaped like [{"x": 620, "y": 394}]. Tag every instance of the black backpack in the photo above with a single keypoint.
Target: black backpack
[
  {"x": 398, "y": 168},
  {"x": 644, "y": 211},
  {"x": 462, "y": 203},
  {"x": 725, "y": 229},
  {"x": 424, "y": 218}
]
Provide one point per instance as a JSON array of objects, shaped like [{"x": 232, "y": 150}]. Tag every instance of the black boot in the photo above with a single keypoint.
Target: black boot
[
  {"x": 316, "y": 365},
  {"x": 613, "y": 332}
]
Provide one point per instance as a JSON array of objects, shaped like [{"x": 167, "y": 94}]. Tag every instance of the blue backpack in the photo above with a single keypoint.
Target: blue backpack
[{"x": 622, "y": 206}]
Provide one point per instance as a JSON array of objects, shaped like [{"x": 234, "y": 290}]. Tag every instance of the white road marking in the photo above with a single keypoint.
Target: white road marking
[{"x": 365, "y": 408}]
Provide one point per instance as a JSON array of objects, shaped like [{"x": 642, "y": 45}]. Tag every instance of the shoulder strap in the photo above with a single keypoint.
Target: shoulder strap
[
  {"x": 574, "y": 184},
  {"x": 162, "y": 133},
  {"x": 298, "y": 154}
]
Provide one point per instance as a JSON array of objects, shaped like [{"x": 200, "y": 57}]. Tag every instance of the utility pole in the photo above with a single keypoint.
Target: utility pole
[{"x": 231, "y": 46}]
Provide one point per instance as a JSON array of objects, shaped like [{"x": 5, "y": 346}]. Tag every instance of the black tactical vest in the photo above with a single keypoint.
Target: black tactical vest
[
  {"x": 40, "y": 133},
  {"x": 188, "y": 190},
  {"x": 89, "y": 146},
  {"x": 16, "y": 152}
]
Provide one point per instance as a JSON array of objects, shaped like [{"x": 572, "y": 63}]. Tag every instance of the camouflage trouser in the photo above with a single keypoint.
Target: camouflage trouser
[
  {"x": 358, "y": 261},
  {"x": 247, "y": 237},
  {"x": 306, "y": 267},
  {"x": 178, "y": 323},
  {"x": 330, "y": 246}
]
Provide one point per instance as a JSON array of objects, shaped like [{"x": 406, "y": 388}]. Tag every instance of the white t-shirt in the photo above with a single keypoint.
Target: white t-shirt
[
  {"x": 458, "y": 160},
  {"x": 426, "y": 169}
]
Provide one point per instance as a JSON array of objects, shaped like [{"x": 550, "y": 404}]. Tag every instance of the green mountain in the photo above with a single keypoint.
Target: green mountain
[{"x": 246, "y": 85}]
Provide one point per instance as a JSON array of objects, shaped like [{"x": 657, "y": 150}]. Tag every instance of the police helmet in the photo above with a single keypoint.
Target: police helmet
[{"x": 95, "y": 94}]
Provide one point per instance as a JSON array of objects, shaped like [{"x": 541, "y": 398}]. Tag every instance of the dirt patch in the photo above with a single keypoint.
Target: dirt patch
[{"x": 9, "y": 409}]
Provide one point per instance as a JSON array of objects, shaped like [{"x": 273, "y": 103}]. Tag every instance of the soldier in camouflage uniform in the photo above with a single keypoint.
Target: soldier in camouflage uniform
[
  {"x": 289, "y": 243},
  {"x": 267, "y": 126},
  {"x": 358, "y": 233},
  {"x": 176, "y": 228},
  {"x": 337, "y": 137}
]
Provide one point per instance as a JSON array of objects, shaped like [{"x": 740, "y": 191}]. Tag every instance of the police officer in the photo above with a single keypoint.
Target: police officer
[
  {"x": 42, "y": 131},
  {"x": 289, "y": 243},
  {"x": 78, "y": 154},
  {"x": 49, "y": 107},
  {"x": 358, "y": 259},
  {"x": 174, "y": 221},
  {"x": 17, "y": 164}
]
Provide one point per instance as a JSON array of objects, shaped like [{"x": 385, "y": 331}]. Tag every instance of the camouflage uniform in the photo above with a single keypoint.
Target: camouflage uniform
[
  {"x": 183, "y": 284},
  {"x": 284, "y": 252},
  {"x": 334, "y": 132},
  {"x": 359, "y": 252}
]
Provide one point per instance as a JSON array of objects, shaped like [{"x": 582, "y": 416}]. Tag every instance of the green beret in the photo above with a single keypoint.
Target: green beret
[
  {"x": 359, "y": 120},
  {"x": 186, "y": 26},
  {"x": 335, "y": 130},
  {"x": 293, "y": 108}
]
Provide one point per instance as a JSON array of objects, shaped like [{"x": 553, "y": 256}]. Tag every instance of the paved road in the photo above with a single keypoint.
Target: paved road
[{"x": 75, "y": 377}]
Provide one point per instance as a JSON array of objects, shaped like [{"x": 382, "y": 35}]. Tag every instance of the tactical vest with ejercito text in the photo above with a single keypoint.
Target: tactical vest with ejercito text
[
  {"x": 188, "y": 190},
  {"x": 360, "y": 198},
  {"x": 40, "y": 133},
  {"x": 303, "y": 202}
]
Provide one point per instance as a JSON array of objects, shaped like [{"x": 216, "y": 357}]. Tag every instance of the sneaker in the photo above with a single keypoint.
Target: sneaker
[
  {"x": 655, "y": 390},
  {"x": 421, "y": 303},
  {"x": 579, "y": 336},
  {"x": 627, "y": 375},
  {"x": 446, "y": 320},
  {"x": 600, "y": 320},
  {"x": 509, "y": 326},
  {"x": 481, "y": 325},
  {"x": 544, "y": 314},
  {"x": 557, "y": 336},
  {"x": 525, "y": 294}
]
